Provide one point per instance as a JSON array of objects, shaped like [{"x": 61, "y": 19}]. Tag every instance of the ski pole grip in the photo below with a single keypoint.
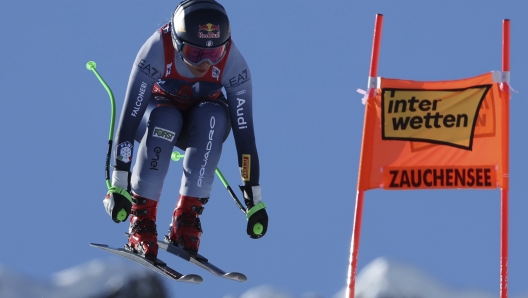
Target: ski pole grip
[
  {"x": 122, "y": 215},
  {"x": 258, "y": 228}
]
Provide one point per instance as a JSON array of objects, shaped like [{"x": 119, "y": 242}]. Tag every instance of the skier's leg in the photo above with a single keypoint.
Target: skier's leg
[
  {"x": 204, "y": 133},
  {"x": 150, "y": 169}
]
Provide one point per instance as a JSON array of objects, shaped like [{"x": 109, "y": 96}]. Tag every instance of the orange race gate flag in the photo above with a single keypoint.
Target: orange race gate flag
[
  {"x": 429, "y": 135},
  {"x": 435, "y": 135}
]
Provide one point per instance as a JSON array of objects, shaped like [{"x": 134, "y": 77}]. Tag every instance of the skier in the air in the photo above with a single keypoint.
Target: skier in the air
[{"x": 174, "y": 98}]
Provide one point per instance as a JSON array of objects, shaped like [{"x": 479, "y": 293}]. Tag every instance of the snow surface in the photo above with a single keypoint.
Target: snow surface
[
  {"x": 94, "y": 279},
  {"x": 389, "y": 279},
  {"x": 382, "y": 278}
]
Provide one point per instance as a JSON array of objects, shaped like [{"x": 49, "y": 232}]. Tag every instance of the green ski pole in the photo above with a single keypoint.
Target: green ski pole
[{"x": 122, "y": 215}]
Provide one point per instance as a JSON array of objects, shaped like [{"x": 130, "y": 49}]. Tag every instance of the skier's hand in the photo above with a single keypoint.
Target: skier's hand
[
  {"x": 257, "y": 222},
  {"x": 118, "y": 202},
  {"x": 257, "y": 216}
]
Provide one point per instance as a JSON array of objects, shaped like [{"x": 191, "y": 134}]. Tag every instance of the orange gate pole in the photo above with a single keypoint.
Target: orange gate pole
[
  {"x": 365, "y": 159},
  {"x": 505, "y": 96}
]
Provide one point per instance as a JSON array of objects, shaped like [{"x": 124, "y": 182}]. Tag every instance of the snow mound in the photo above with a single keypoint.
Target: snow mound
[
  {"x": 95, "y": 279},
  {"x": 390, "y": 279}
]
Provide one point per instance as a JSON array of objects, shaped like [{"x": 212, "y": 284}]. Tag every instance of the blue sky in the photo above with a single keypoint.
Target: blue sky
[{"x": 307, "y": 59}]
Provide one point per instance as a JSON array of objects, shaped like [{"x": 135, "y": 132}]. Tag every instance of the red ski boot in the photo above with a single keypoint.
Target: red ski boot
[
  {"x": 185, "y": 230},
  {"x": 143, "y": 236}
]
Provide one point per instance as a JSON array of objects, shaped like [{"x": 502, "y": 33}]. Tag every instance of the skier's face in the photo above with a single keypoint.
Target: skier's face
[{"x": 199, "y": 70}]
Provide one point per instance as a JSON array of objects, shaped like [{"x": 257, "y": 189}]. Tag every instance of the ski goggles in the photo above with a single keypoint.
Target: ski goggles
[{"x": 196, "y": 56}]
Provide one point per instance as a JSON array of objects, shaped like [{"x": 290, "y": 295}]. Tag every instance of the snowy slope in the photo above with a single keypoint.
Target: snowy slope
[
  {"x": 96, "y": 279},
  {"x": 383, "y": 278},
  {"x": 389, "y": 279}
]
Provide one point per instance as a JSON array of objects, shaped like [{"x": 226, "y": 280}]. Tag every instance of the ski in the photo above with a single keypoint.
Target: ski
[
  {"x": 200, "y": 261},
  {"x": 158, "y": 266}
]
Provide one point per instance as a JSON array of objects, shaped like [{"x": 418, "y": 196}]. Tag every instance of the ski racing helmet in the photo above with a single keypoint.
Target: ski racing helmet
[{"x": 200, "y": 31}]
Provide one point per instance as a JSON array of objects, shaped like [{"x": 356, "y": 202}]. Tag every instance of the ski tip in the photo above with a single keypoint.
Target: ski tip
[
  {"x": 192, "y": 278},
  {"x": 236, "y": 276},
  {"x": 98, "y": 245}
]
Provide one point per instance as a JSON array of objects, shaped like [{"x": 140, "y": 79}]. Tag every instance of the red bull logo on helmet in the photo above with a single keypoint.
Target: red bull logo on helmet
[{"x": 208, "y": 31}]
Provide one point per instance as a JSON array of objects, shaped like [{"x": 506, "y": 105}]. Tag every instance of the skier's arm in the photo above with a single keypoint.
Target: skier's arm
[
  {"x": 238, "y": 85},
  {"x": 239, "y": 91},
  {"x": 145, "y": 71}
]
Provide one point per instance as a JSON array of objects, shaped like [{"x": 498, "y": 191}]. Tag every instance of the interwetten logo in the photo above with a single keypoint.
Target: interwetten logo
[
  {"x": 163, "y": 133},
  {"x": 434, "y": 116}
]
